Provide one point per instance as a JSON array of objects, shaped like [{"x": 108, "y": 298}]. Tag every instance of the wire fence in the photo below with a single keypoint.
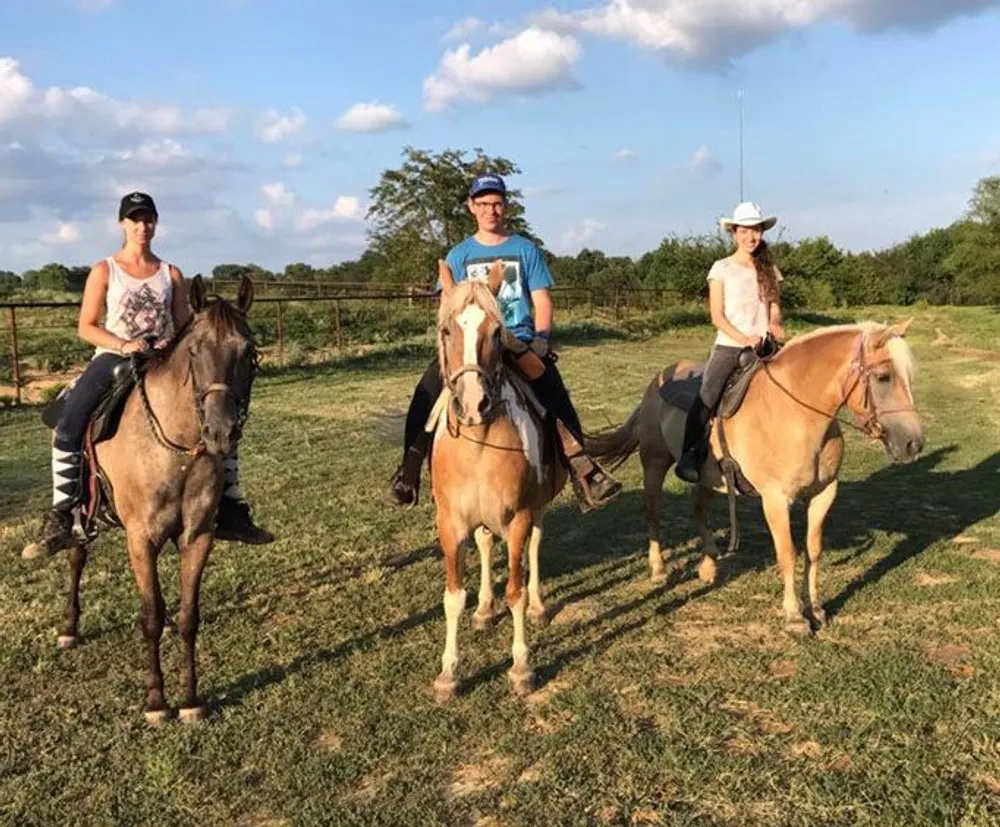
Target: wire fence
[{"x": 42, "y": 347}]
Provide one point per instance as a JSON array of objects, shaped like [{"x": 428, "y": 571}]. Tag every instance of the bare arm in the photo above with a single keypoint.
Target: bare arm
[
  {"x": 775, "y": 326},
  {"x": 541, "y": 300},
  {"x": 717, "y": 306},
  {"x": 88, "y": 327}
]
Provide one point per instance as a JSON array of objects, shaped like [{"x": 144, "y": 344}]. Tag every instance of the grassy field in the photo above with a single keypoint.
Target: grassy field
[{"x": 658, "y": 704}]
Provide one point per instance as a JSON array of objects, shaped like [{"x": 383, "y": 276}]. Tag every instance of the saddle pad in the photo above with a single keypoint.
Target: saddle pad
[{"x": 681, "y": 389}]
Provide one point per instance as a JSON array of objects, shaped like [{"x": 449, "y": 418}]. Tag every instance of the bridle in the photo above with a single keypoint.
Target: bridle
[
  {"x": 199, "y": 395},
  {"x": 858, "y": 377},
  {"x": 492, "y": 381}
]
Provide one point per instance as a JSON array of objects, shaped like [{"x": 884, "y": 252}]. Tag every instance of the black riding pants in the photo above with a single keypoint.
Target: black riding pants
[
  {"x": 549, "y": 388},
  {"x": 722, "y": 361},
  {"x": 82, "y": 399}
]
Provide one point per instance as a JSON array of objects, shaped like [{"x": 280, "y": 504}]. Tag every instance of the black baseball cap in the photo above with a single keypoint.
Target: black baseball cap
[{"x": 136, "y": 202}]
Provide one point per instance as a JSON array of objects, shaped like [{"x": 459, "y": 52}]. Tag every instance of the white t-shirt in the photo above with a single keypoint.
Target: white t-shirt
[{"x": 742, "y": 303}]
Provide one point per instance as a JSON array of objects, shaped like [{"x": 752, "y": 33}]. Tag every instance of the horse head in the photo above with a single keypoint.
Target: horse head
[
  {"x": 470, "y": 346},
  {"x": 879, "y": 390},
  {"x": 223, "y": 363}
]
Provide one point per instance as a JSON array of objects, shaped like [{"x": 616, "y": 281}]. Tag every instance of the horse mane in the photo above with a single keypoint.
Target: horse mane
[
  {"x": 469, "y": 291},
  {"x": 899, "y": 350}
]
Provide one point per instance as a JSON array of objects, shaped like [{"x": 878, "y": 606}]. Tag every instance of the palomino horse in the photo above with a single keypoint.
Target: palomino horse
[
  {"x": 195, "y": 394},
  {"x": 490, "y": 473},
  {"x": 786, "y": 438}
]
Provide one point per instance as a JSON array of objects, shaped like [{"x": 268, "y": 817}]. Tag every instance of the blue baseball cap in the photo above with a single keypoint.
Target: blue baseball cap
[{"x": 487, "y": 183}]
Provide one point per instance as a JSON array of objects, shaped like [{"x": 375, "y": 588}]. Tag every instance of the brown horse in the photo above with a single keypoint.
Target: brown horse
[
  {"x": 490, "y": 472},
  {"x": 786, "y": 438},
  {"x": 196, "y": 394}
]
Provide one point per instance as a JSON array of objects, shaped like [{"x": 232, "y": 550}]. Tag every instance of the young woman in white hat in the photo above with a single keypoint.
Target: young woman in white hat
[{"x": 744, "y": 301}]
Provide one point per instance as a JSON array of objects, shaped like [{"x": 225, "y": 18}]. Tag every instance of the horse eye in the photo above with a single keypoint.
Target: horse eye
[
  {"x": 446, "y": 332},
  {"x": 883, "y": 378}
]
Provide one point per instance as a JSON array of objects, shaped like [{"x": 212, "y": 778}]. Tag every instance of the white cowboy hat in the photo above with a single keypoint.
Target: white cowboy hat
[{"x": 748, "y": 214}]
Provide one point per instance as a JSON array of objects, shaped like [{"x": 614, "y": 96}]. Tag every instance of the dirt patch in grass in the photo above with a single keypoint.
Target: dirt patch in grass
[{"x": 486, "y": 774}]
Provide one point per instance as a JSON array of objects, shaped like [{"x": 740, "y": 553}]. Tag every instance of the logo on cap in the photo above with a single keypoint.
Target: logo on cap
[{"x": 136, "y": 198}]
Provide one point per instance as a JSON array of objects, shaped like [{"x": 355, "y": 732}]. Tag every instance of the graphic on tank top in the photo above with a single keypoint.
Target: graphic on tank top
[{"x": 143, "y": 312}]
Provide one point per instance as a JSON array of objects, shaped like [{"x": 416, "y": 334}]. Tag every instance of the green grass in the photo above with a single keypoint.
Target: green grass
[{"x": 673, "y": 704}]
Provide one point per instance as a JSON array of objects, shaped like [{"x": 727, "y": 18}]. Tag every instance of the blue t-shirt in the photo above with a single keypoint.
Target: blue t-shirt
[{"x": 524, "y": 270}]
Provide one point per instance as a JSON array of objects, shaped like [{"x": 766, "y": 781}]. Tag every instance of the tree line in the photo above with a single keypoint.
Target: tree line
[{"x": 418, "y": 211}]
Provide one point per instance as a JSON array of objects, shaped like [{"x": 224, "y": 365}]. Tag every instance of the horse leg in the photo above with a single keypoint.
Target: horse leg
[
  {"x": 776, "y": 513},
  {"x": 816, "y": 511},
  {"x": 454, "y": 602},
  {"x": 484, "y": 615},
  {"x": 708, "y": 569},
  {"x": 522, "y": 679},
  {"x": 536, "y": 609},
  {"x": 192, "y": 564},
  {"x": 142, "y": 559},
  {"x": 654, "y": 469},
  {"x": 77, "y": 560}
]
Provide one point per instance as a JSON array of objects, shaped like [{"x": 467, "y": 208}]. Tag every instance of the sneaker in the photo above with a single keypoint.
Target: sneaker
[{"x": 233, "y": 522}]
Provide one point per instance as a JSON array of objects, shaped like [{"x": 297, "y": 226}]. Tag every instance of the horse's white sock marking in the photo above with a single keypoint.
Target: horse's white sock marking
[{"x": 454, "y": 602}]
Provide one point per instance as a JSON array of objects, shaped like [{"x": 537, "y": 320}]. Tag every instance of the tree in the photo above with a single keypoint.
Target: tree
[
  {"x": 300, "y": 271},
  {"x": 418, "y": 211},
  {"x": 974, "y": 260},
  {"x": 53, "y": 276},
  {"x": 9, "y": 282}
]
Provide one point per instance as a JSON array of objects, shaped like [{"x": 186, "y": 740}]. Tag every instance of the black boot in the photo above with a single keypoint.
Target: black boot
[
  {"x": 592, "y": 485},
  {"x": 404, "y": 487},
  {"x": 695, "y": 443},
  {"x": 57, "y": 531},
  {"x": 233, "y": 522}
]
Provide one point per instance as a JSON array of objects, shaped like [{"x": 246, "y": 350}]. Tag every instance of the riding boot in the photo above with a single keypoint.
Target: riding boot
[
  {"x": 592, "y": 485},
  {"x": 695, "y": 442},
  {"x": 57, "y": 524},
  {"x": 233, "y": 520},
  {"x": 404, "y": 487}
]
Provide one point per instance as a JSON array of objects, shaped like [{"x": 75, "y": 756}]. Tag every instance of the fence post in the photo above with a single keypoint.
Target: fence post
[
  {"x": 340, "y": 340},
  {"x": 590, "y": 302},
  {"x": 616, "y": 305},
  {"x": 281, "y": 334},
  {"x": 15, "y": 357}
]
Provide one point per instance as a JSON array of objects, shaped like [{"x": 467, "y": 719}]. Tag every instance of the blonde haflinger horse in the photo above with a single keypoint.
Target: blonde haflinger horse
[
  {"x": 492, "y": 473},
  {"x": 786, "y": 439}
]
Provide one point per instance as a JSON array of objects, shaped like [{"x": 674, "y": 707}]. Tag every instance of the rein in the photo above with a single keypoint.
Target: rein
[{"x": 866, "y": 423}]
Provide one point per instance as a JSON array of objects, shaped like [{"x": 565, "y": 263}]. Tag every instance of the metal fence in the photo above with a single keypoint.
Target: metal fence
[{"x": 41, "y": 335}]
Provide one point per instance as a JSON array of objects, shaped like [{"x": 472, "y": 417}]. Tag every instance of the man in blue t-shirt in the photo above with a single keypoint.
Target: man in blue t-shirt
[{"x": 526, "y": 304}]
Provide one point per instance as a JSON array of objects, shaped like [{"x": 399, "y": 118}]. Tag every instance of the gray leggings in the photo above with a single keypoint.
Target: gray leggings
[{"x": 722, "y": 361}]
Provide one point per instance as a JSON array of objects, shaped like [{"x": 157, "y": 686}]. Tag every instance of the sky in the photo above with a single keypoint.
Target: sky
[{"x": 260, "y": 127}]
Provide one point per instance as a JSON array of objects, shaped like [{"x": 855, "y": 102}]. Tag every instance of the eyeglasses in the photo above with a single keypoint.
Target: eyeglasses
[{"x": 495, "y": 206}]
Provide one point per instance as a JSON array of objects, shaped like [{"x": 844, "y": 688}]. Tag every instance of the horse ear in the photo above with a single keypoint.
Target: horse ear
[
  {"x": 496, "y": 276},
  {"x": 245, "y": 296},
  {"x": 445, "y": 276},
  {"x": 901, "y": 328},
  {"x": 196, "y": 294}
]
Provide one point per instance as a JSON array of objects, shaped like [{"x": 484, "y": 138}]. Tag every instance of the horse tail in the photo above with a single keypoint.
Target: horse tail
[{"x": 613, "y": 446}]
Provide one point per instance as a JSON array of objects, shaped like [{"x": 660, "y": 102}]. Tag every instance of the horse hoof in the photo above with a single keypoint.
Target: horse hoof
[
  {"x": 66, "y": 641},
  {"x": 32, "y": 551},
  {"x": 157, "y": 717},
  {"x": 521, "y": 683},
  {"x": 444, "y": 690},
  {"x": 191, "y": 714},
  {"x": 819, "y": 617},
  {"x": 539, "y": 619},
  {"x": 169, "y": 628},
  {"x": 708, "y": 571},
  {"x": 483, "y": 621},
  {"x": 658, "y": 577},
  {"x": 799, "y": 627}
]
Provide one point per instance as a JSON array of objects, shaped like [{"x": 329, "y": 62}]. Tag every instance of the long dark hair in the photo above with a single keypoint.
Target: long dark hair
[{"x": 767, "y": 277}]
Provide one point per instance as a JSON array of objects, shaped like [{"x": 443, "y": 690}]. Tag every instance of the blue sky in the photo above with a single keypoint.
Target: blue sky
[{"x": 259, "y": 127}]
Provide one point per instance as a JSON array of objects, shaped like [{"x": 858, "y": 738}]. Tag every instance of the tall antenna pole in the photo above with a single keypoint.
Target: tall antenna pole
[{"x": 739, "y": 94}]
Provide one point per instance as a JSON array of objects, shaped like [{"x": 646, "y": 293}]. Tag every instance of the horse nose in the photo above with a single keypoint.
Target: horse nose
[
  {"x": 914, "y": 446},
  {"x": 484, "y": 405}
]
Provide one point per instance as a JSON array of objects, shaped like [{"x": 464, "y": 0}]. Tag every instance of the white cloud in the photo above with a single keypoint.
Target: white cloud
[
  {"x": 274, "y": 127},
  {"x": 715, "y": 31},
  {"x": 464, "y": 29},
  {"x": 370, "y": 117},
  {"x": 293, "y": 159},
  {"x": 531, "y": 62},
  {"x": 624, "y": 154},
  {"x": 345, "y": 208},
  {"x": 703, "y": 160},
  {"x": 278, "y": 194},
  {"x": 577, "y": 236},
  {"x": 156, "y": 152},
  {"x": 264, "y": 219},
  {"x": 66, "y": 233}
]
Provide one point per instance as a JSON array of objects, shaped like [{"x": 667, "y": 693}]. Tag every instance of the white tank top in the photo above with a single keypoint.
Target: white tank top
[{"x": 138, "y": 307}]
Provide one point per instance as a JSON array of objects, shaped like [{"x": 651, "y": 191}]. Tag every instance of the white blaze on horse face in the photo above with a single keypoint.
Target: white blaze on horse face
[
  {"x": 470, "y": 321},
  {"x": 531, "y": 441}
]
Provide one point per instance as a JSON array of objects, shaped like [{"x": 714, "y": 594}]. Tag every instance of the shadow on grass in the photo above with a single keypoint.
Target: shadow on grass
[{"x": 20, "y": 481}]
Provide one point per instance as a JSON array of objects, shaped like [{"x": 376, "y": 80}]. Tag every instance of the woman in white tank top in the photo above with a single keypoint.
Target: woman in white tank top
[
  {"x": 144, "y": 302},
  {"x": 744, "y": 302}
]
